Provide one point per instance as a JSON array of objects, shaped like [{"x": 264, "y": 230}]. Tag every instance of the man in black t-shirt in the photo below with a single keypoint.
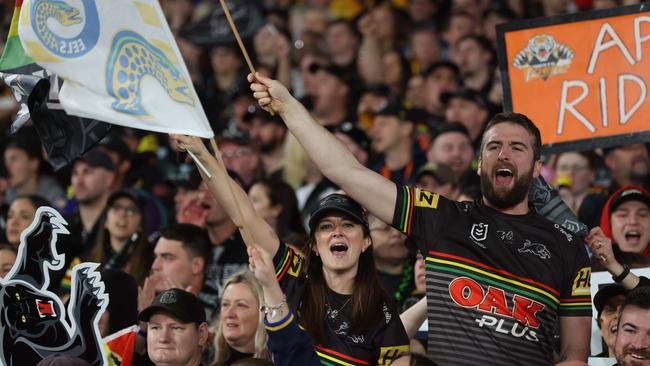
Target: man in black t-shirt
[{"x": 499, "y": 276}]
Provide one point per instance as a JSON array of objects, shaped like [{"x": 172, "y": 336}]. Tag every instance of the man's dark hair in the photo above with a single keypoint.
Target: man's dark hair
[
  {"x": 194, "y": 239},
  {"x": 482, "y": 42},
  {"x": 36, "y": 200},
  {"x": 520, "y": 120},
  {"x": 351, "y": 28},
  {"x": 9, "y": 247},
  {"x": 639, "y": 297}
]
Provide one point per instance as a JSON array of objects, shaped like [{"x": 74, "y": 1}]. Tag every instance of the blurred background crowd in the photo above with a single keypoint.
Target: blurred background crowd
[{"x": 407, "y": 85}]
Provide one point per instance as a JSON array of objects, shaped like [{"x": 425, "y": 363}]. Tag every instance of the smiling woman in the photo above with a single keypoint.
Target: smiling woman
[{"x": 240, "y": 330}]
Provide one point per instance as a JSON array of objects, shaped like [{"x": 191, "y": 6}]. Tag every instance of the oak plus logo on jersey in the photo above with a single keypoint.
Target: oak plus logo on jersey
[
  {"x": 515, "y": 315},
  {"x": 478, "y": 234}
]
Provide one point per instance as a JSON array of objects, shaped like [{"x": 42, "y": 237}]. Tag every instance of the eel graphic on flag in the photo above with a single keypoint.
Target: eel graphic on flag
[
  {"x": 64, "y": 137},
  {"x": 118, "y": 60}
]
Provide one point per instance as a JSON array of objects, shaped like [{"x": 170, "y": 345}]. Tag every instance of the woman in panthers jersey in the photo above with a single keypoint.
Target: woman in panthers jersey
[{"x": 334, "y": 287}]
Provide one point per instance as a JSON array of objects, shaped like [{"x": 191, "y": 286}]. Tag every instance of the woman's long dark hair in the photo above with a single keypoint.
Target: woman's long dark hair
[
  {"x": 289, "y": 224},
  {"x": 140, "y": 255},
  {"x": 366, "y": 310}
]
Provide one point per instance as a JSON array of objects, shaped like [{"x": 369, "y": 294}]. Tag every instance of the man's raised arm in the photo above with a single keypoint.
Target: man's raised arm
[{"x": 334, "y": 160}]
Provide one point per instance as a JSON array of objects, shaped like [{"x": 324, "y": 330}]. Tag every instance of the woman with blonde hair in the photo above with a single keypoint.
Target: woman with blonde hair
[{"x": 240, "y": 332}]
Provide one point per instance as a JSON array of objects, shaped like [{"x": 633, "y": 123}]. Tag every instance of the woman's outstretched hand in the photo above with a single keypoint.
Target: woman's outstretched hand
[{"x": 192, "y": 144}]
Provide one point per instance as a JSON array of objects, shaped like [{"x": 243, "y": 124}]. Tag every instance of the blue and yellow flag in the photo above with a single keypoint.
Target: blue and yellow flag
[{"x": 119, "y": 62}]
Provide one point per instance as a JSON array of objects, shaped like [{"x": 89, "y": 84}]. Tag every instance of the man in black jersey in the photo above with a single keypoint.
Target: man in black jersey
[{"x": 499, "y": 276}]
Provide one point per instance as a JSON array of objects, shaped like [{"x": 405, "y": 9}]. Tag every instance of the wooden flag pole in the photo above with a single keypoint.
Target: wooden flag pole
[
  {"x": 236, "y": 33},
  {"x": 246, "y": 234},
  {"x": 251, "y": 68}
]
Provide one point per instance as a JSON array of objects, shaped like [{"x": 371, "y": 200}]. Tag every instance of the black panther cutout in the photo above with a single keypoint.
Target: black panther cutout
[{"x": 33, "y": 324}]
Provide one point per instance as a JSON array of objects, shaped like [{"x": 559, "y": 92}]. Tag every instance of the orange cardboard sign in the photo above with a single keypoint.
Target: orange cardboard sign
[{"x": 583, "y": 78}]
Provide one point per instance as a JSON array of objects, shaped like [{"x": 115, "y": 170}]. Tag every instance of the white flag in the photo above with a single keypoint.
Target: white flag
[{"x": 119, "y": 61}]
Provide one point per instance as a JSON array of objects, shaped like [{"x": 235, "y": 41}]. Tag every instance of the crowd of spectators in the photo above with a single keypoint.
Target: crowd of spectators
[{"x": 407, "y": 86}]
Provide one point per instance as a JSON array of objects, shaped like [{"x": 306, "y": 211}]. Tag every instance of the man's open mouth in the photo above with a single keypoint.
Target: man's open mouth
[{"x": 504, "y": 176}]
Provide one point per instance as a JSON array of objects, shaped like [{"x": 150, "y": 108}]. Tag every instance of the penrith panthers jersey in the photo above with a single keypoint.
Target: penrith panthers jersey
[{"x": 496, "y": 283}]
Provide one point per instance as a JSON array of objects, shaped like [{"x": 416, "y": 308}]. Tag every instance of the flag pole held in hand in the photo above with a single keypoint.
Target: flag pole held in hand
[
  {"x": 251, "y": 68},
  {"x": 236, "y": 33}
]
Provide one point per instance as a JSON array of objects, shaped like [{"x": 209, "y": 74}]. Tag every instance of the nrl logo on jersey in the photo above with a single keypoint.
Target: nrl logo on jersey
[
  {"x": 478, "y": 234},
  {"x": 543, "y": 57}
]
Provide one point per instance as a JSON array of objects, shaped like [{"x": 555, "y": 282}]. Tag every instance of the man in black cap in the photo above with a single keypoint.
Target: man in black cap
[
  {"x": 332, "y": 100},
  {"x": 177, "y": 332},
  {"x": 469, "y": 108},
  {"x": 608, "y": 302},
  {"x": 92, "y": 178},
  {"x": 439, "y": 178},
  {"x": 441, "y": 77},
  {"x": 354, "y": 139}
]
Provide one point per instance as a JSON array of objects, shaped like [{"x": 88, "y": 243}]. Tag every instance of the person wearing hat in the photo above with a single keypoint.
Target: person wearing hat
[
  {"x": 177, "y": 333},
  {"x": 469, "y": 108},
  {"x": 92, "y": 177},
  {"x": 626, "y": 220},
  {"x": 439, "y": 178},
  {"x": 333, "y": 94},
  {"x": 334, "y": 286},
  {"x": 625, "y": 229},
  {"x": 354, "y": 138},
  {"x": 608, "y": 302},
  {"x": 398, "y": 156},
  {"x": 441, "y": 77}
]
